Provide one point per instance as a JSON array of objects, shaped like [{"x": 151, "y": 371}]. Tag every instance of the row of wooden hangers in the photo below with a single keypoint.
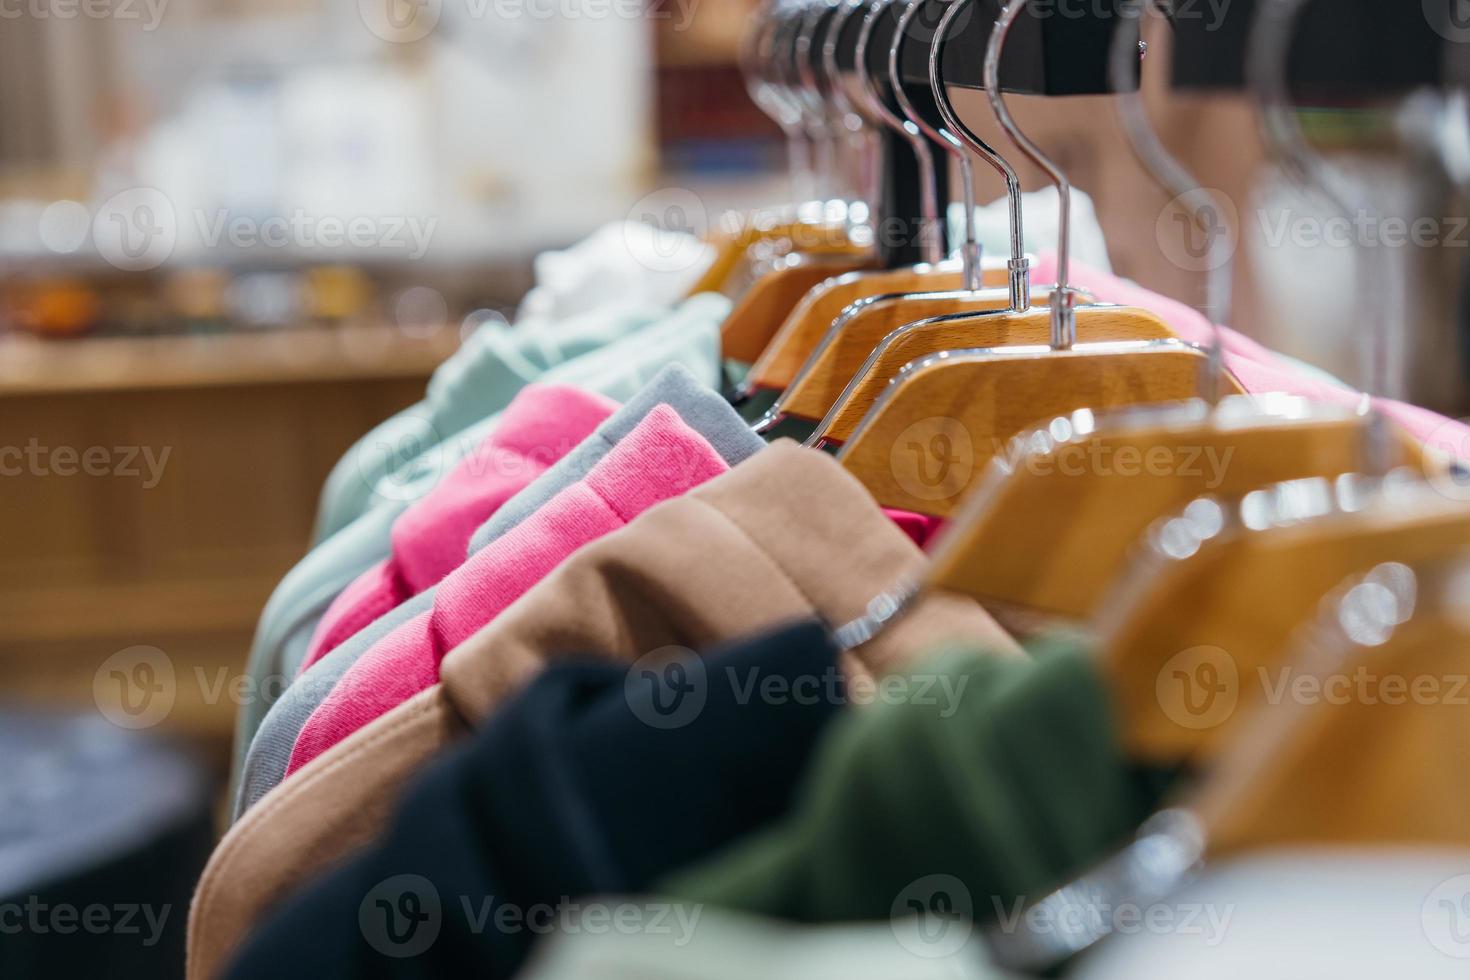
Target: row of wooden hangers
[{"x": 1178, "y": 581}]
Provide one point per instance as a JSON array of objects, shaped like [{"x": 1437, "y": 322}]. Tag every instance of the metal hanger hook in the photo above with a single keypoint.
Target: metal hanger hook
[
  {"x": 1018, "y": 266},
  {"x": 1182, "y": 187},
  {"x": 1063, "y": 298},
  {"x": 1267, "y": 64},
  {"x": 970, "y": 249},
  {"x": 928, "y": 191}
]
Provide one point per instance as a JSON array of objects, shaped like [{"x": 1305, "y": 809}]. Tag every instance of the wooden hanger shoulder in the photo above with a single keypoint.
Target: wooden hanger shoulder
[
  {"x": 841, "y": 409},
  {"x": 859, "y": 331},
  {"x": 1362, "y": 749},
  {"x": 1193, "y": 642},
  {"x": 731, "y": 246},
  {"x": 758, "y": 315},
  {"x": 927, "y": 440},
  {"x": 814, "y": 318},
  {"x": 1055, "y": 531}
]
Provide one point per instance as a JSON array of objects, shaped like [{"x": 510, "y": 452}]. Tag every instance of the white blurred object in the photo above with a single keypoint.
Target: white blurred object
[
  {"x": 1334, "y": 913},
  {"x": 1039, "y": 213},
  {"x": 622, "y": 263}
]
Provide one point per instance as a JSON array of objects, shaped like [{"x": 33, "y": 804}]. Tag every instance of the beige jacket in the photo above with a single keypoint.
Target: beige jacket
[{"x": 786, "y": 535}]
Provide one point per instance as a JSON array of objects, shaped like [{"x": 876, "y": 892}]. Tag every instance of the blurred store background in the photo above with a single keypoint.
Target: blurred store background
[{"x": 234, "y": 235}]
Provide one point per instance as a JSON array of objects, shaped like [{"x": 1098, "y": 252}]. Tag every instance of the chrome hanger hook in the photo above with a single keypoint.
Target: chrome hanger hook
[
  {"x": 819, "y": 107},
  {"x": 970, "y": 249},
  {"x": 1063, "y": 298},
  {"x": 758, "y": 68},
  {"x": 1176, "y": 180},
  {"x": 928, "y": 191},
  {"x": 857, "y": 121},
  {"x": 1018, "y": 266},
  {"x": 1267, "y": 63},
  {"x": 854, "y": 119}
]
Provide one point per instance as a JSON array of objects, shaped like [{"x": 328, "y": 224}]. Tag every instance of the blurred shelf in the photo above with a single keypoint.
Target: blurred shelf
[{"x": 35, "y": 366}]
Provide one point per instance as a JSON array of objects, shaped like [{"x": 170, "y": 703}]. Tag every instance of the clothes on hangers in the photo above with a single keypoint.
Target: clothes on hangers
[
  {"x": 585, "y": 782},
  {"x": 478, "y": 380},
  {"x": 787, "y": 534},
  {"x": 429, "y": 539},
  {"x": 661, "y": 458},
  {"x": 688, "y": 335},
  {"x": 1013, "y": 776},
  {"x": 623, "y": 277},
  {"x": 1040, "y": 212},
  {"x": 620, "y": 263},
  {"x": 699, "y": 406}
]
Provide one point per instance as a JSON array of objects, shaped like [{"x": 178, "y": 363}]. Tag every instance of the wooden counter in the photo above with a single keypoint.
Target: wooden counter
[{"x": 154, "y": 491}]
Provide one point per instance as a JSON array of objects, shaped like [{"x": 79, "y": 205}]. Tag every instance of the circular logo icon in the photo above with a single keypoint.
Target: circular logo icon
[
  {"x": 420, "y": 311},
  {"x": 400, "y": 21},
  {"x": 1447, "y": 460},
  {"x": 1450, "y": 19},
  {"x": 933, "y": 459},
  {"x": 396, "y": 460},
  {"x": 667, "y": 689},
  {"x": 134, "y": 688},
  {"x": 136, "y": 230},
  {"x": 1446, "y": 917},
  {"x": 665, "y": 230},
  {"x": 401, "y": 916},
  {"x": 934, "y": 916},
  {"x": 1198, "y": 688},
  {"x": 923, "y": 25},
  {"x": 64, "y": 226},
  {"x": 1196, "y": 231}
]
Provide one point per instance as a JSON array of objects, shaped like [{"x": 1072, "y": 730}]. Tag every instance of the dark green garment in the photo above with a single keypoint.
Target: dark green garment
[{"x": 1014, "y": 787}]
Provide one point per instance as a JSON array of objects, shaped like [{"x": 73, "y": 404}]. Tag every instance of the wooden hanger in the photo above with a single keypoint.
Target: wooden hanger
[
  {"x": 816, "y": 245},
  {"x": 760, "y": 312},
  {"x": 848, "y": 373},
  {"x": 927, "y": 290},
  {"x": 732, "y": 246},
  {"x": 926, "y": 440},
  {"x": 1367, "y": 753},
  {"x": 812, "y": 319},
  {"x": 1202, "y": 609},
  {"x": 1310, "y": 535},
  {"x": 1113, "y": 477},
  {"x": 865, "y": 350}
]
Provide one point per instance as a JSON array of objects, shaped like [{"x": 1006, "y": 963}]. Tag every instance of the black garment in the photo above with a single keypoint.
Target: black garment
[{"x": 594, "y": 780}]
